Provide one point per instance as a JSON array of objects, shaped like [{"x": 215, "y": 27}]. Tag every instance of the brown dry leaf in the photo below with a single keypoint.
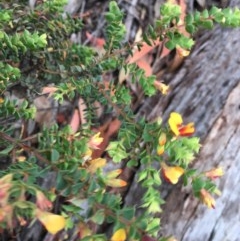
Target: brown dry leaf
[
  {"x": 145, "y": 49},
  {"x": 96, "y": 42},
  {"x": 75, "y": 121},
  {"x": 49, "y": 90},
  {"x": 107, "y": 131},
  {"x": 46, "y": 110},
  {"x": 143, "y": 64}
]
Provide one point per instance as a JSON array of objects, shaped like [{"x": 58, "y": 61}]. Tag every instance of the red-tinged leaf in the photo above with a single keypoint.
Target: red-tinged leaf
[{"x": 96, "y": 42}]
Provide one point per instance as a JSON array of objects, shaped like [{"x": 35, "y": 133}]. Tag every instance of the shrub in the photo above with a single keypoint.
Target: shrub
[{"x": 36, "y": 53}]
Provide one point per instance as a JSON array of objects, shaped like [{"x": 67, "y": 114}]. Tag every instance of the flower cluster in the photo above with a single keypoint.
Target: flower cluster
[
  {"x": 176, "y": 125},
  {"x": 175, "y": 170}
]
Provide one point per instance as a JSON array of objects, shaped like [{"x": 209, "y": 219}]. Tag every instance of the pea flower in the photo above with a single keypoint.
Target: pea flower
[
  {"x": 182, "y": 52},
  {"x": 160, "y": 150},
  {"x": 161, "y": 142},
  {"x": 52, "y": 222},
  {"x": 172, "y": 174},
  {"x": 42, "y": 202},
  {"x": 207, "y": 199},
  {"x": 214, "y": 173},
  {"x": 95, "y": 141},
  {"x": 164, "y": 89},
  {"x": 176, "y": 125},
  {"x": 162, "y": 139},
  {"x": 119, "y": 235}
]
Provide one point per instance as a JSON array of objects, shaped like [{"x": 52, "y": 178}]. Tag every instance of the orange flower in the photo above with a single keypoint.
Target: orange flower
[
  {"x": 176, "y": 124},
  {"x": 42, "y": 202},
  {"x": 214, "y": 173},
  {"x": 172, "y": 174},
  {"x": 119, "y": 235},
  {"x": 207, "y": 199},
  {"x": 52, "y": 222}
]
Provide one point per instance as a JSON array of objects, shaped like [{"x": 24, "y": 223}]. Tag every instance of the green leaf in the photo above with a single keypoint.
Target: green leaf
[
  {"x": 208, "y": 24},
  {"x": 146, "y": 39},
  {"x": 54, "y": 155},
  {"x": 98, "y": 217},
  {"x": 170, "y": 45},
  {"x": 190, "y": 28},
  {"x": 142, "y": 175},
  {"x": 127, "y": 213},
  {"x": 117, "y": 151},
  {"x": 197, "y": 185},
  {"x": 6, "y": 151},
  {"x": 132, "y": 163}
]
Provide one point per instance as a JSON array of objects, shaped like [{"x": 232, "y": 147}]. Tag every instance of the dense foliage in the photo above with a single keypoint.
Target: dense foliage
[{"x": 36, "y": 52}]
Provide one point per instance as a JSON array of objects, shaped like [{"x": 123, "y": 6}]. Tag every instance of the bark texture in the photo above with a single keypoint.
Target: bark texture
[{"x": 205, "y": 90}]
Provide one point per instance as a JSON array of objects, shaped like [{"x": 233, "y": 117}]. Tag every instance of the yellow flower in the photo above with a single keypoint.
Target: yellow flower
[
  {"x": 172, "y": 174},
  {"x": 182, "y": 52},
  {"x": 214, "y": 173},
  {"x": 160, "y": 150},
  {"x": 119, "y": 235},
  {"x": 162, "y": 139},
  {"x": 176, "y": 125},
  {"x": 164, "y": 89},
  {"x": 52, "y": 222},
  {"x": 207, "y": 199},
  {"x": 87, "y": 154},
  {"x": 95, "y": 141}
]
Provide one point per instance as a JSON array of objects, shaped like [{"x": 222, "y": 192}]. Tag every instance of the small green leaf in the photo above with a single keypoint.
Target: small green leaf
[
  {"x": 170, "y": 45},
  {"x": 98, "y": 217},
  {"x": 207, "y": 24},
  {"x": 54, "y": 155},
  {"x": 6, "y": 150}
]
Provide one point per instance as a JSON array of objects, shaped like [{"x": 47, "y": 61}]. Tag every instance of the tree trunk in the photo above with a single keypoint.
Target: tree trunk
[{"x": 205, "y": 90}]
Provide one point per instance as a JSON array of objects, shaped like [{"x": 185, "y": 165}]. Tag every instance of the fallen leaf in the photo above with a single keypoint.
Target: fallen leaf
[
  {"x": 96, "y": 42},
  {"x": 75, "y": 121}
]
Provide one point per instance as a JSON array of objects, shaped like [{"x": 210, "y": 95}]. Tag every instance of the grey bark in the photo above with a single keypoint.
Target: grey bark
[{"x": 205, "y": 90}]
